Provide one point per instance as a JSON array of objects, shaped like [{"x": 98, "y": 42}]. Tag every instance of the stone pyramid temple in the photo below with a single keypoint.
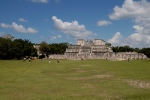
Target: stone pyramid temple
[{"x": 96, "y": 49}]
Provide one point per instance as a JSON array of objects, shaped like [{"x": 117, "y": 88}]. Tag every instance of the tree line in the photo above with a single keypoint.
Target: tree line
[
  {"x": 53, "y": 48},
  {"x": 16, "y": 49},
  {"x": 145, "y": 51},
  {"x": 11, "y": 48}
]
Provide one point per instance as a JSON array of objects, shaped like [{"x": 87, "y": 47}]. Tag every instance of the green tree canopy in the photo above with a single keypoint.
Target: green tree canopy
[
  {"x": 44, "y": 48},
  {"x": 108, "y": 44},
  {"x": 18, "y": 48},
  {"x": 58, "y": 48}
]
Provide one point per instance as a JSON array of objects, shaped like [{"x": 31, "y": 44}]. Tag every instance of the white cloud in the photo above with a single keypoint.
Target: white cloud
[
  {"x": 131, "y": 9},
  {"x": 138, "y": 28},
  {"x": 22, "y": 20},
  {"x": 55, "y": 37},
  {"x": 40, "y": 1},
  {"x": 19, "y": 28},
  {"x": 72, "y": 28},
  {"x": 139, "y": 11},
  {"x": 115, "y": 39},
  {"x": 59, "y": 36},
  {"x": 41, "y": 37},
  {"x": 103, "y": 23},
  {"x": 31, "y": 30},
  {"x": 134, "y": 40},
  {"x": 45, "y": 1},
  {"x": 3, "y": 25}
]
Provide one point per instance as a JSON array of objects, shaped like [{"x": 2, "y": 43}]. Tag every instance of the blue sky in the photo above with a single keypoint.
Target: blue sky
[{"x": 119, "y": 22}]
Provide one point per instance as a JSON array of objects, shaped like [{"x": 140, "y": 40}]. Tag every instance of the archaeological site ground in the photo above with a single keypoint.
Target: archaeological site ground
[{"x": 75, "y": 80}]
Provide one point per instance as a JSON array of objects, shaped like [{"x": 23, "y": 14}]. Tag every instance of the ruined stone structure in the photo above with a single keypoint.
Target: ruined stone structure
[
  {"x": 37, "y": 46},
  {"x": 96, "y": 49},
  {"x": 88, "y": 49}
]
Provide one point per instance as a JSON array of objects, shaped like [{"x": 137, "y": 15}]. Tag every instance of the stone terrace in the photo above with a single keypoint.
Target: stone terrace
[{"x": 96, "y": 49}]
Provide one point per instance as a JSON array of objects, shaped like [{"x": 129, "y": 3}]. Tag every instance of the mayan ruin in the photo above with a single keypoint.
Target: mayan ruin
[{"x": 96, "y": 49}]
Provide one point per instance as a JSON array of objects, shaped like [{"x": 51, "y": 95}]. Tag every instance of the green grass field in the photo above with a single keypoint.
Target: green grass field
[{"x": 75, "y": 80}]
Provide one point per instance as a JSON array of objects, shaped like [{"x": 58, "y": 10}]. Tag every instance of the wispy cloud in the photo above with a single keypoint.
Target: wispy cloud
[
  {"x": 22, "y": 20},
  {"x": 46, "y": 20},
  {"x": 103, "y": 23},
  {"x": 40, "y": 1},
  {"x": 41, "y": 37},
  {"x": 55, "y": 37},
  {"x": 57, "y": 1},
  {"x": 3, "y": 25},
  {"x": 19, "y": 28},
  {"x": 44, "y": 1}
]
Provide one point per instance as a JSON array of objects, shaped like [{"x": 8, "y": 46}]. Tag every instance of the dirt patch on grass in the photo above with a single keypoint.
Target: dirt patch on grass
[
  {"x": 90, "y": 77},
  {"x": 138, "y": 83},
  {"x": 100, "y": 76}
]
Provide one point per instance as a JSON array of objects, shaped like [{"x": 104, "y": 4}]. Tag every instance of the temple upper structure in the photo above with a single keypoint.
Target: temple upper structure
[
  {"x": 83, "y": 42},
  {"x": 88, "y": 47}
]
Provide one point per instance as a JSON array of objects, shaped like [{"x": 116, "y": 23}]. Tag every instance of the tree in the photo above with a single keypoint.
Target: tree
[
  {"x": 58, "y": 48},
  {"x": 44, "y": 48},
  {"x": 17, "y": 48},
  {"x": 5, "y": 48},
  {"x": 7, "y": 36},
  {"x": 115, "y": 49},
  {"x": 108, "y": 44},
  {"x": 123, "y": 49},
  {"x": 23, "y": 48},
  {"x": 128, "y": 49},
  {"x": 54, "y": 48},
  {"x": 146, "y": 51},
  {"x": 62, "y": 47},
  {"x": 136, "y": 49}
]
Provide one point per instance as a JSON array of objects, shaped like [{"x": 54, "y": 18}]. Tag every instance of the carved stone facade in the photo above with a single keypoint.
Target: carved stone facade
[
  {"x": 96, "y": 49},
  {"x": 87, "y": 49}
]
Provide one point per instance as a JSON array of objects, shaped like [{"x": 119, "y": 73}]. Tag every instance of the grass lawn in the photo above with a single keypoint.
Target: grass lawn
[{"x": 75, "y": 80}]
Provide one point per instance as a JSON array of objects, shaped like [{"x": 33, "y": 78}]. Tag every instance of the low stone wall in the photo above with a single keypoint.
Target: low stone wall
[
  {"x": 111, "y": 55},
  {"x": 57, "y": 56}
]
